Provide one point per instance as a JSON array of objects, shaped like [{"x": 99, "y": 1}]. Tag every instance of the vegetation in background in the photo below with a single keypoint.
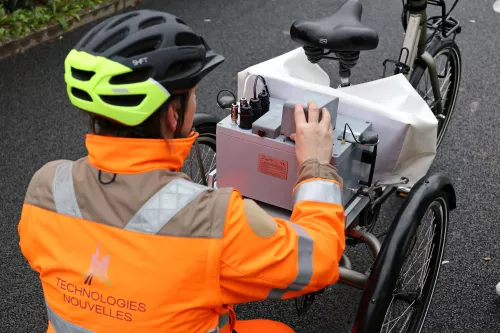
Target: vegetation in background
[
  {"x": 16, "y": 4},
  {"x": 33, "y": 16}
]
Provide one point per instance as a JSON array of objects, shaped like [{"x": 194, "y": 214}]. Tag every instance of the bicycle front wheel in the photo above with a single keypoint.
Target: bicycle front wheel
[
  {"x": 448, "y": 60},
  {"x": 200, "y": 163}
]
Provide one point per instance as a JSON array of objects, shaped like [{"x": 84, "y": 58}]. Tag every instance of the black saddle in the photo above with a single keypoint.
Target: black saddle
[{"x": 342, "y": 31}]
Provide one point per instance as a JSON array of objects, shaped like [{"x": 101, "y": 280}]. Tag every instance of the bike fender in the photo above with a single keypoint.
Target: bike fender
[
  {"x": 435, "y": 182},
  {"x": 369, "y": 314}
]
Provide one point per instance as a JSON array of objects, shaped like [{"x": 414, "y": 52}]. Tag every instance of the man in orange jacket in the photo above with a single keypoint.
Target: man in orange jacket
[{"x": 123, "y": 242}]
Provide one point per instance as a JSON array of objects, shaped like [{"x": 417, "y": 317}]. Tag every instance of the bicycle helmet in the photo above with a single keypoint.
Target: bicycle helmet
[{"x": 127, "y": 66}]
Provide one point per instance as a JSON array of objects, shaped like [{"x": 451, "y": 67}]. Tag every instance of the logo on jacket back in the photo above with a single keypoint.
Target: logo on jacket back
[{"x": 98, "y": 267}]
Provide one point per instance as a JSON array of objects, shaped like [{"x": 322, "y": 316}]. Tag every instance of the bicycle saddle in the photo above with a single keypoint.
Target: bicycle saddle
[{"x": 342, "y": 31}]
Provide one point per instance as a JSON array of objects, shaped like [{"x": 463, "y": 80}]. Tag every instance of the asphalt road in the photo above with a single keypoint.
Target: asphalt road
[{"x": 37, "y": 125}]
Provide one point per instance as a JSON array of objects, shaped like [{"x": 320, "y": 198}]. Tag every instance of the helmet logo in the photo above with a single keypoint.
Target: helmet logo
[{"x": 140, "y": 61}]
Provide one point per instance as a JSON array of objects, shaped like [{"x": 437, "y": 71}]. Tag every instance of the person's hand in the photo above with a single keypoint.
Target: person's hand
[{"x": 313, "y": 139}]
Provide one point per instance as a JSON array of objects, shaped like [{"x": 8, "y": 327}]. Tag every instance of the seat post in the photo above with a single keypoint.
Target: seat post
[
  {"x": 347, "y": 60},
  {"x": 345, "y": 82},
  {"x": 345, "y": 75}
]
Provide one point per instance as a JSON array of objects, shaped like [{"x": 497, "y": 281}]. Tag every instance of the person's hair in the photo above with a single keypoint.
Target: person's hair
[{"x": 154, "y": 127}]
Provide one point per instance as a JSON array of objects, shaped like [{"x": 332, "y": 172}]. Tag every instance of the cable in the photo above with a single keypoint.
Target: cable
[
  {"x": 245, "y": 91},
  {"x": 404, "y": 17},
  {"x": 224, "y": 90},
  {"x": 245, "y": 85},
  {"x": 382, "y": 234},
  {"x": 255, "y": 86},
  {"x": 452, "y": 7},
  {"x": 343, "y": 136}
]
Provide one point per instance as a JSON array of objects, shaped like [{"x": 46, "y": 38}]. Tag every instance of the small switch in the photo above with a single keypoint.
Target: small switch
[{"x": 261, "y": 133}]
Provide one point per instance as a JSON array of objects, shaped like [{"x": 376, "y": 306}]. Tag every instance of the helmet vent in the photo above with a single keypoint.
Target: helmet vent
[
  {"x": 187, "y": 38},
  {"x": 151, "y": 22},
  {"x": 112, "y": 40},
  {"x": 121, "y": 20},
  {"x": 81, "y": 94},
  {"x": 123, "y": 100},
  {"x": 144, "y": 46},
  {"x": 81, "y": 74},
  {"x": 136, "y": 76},
  {"x": 183, "y": 68},
  {"x": 178, "y": 20},
  {"x": 92, "y": 34}
]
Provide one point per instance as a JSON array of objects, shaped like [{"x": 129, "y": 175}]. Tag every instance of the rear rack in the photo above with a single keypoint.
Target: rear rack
[{"x": 444, "y": 23}]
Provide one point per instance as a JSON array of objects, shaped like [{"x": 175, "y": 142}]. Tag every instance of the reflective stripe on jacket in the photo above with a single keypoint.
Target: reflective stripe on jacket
[{"x": 153, "y": 251}]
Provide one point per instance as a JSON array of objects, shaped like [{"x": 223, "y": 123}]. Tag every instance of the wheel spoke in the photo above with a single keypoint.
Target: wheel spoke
[
  {"x": 446, "y": 81},
  {"x": 412, "y": 258},
  {"x": 191, "y": 166},
  {"x": 409, "y": 288},
  {"x": 405, "y": 281},
  {"x": 445, "y": 87},
  {"x": 396, "y": 320}
]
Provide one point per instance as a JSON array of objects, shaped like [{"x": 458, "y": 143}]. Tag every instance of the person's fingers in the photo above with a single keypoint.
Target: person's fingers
[
  {"x": 313, "y": 112},
  {"x": 300, "y": 117},
  {"x": 292, "y": 137},
  {"x": 325, "y": 118}
]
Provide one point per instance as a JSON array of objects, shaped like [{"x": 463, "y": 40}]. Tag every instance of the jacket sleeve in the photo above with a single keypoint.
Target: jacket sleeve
[
  {"x": 24, "y": 227},
  {"x": 271, "y": 258}
]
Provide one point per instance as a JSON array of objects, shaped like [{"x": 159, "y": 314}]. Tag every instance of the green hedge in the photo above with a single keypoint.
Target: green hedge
[
  {"x": 21, "y": 22},
  {"x": 16, "y": 4}
]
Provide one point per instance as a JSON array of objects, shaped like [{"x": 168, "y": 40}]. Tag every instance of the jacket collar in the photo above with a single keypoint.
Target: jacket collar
[{"x": 128, "y": 156}]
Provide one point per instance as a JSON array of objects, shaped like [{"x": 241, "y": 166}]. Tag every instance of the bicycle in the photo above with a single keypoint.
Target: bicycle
[
  {"x": 426, "y": 41},
  {"x": 417, "y": 58},
  {"x": 344, "y": 35}
]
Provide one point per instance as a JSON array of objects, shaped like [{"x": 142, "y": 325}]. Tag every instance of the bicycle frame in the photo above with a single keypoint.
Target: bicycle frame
[
  {"x": 415, "y": 41},
  {"x": 413, "y": 48},
  {"x": 414, "y": 44}
]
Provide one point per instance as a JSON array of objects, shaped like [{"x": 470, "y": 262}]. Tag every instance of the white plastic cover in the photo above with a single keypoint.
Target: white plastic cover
[{"x": 406, "y": 126}]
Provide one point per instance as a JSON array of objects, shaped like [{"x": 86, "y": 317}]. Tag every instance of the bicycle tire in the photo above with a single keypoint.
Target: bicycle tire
[
  {"x": 207, "y": 129},
  {"x": 380, "y": 290},
  {"x": 435, "y": 49},
  {"x": 207, "y": 137}
]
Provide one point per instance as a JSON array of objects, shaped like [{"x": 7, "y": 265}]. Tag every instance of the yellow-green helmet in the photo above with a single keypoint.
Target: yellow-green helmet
[{"x": 127, "y": 66}]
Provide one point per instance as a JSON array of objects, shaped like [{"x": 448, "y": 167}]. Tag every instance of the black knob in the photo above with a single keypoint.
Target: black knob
[
  {"x": 368, "y": 138},
  {"x": 264, "y": 101},
  {"x": 256, "y": 108},
  {"x": 246, "y": 116}
]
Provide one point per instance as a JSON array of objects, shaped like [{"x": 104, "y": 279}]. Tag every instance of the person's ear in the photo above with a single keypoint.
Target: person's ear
[{"x": 173, "y": 115}]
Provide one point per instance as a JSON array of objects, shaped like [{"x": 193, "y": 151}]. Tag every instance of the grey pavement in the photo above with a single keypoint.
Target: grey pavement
[{"x": 38, "y": 124}]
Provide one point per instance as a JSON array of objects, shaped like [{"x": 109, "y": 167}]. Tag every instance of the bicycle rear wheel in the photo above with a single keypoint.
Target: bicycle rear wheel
[
  {"x": 401, "y": 285},
  {"x": 449, "y": 67},
  {"x": 414, "y": 289}
]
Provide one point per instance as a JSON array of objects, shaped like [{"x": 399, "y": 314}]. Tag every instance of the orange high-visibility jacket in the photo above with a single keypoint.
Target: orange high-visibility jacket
[{"x": 151, "y": 251}]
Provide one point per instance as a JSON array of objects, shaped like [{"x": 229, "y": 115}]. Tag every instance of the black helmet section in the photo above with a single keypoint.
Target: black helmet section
[{"x": 155, "y": 45}]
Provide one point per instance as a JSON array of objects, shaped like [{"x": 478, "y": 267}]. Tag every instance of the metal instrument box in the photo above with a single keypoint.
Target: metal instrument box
[{"x": 265, "y": 168}]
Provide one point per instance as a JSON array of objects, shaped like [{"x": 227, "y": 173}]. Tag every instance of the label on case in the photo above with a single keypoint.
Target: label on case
[{"x": 273, "y": 167}]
